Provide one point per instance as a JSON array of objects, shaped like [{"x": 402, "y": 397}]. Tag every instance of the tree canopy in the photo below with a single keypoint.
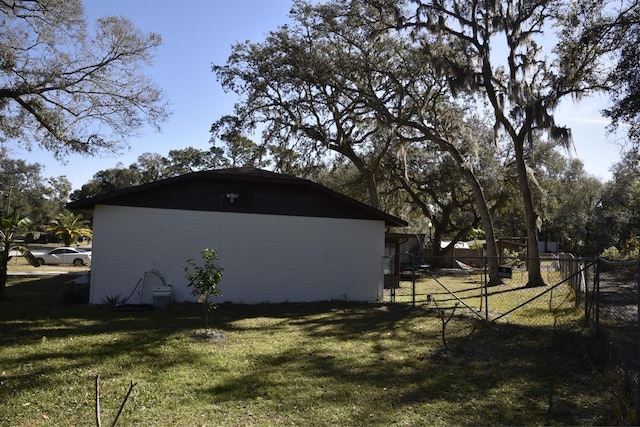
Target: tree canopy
[
  {"x": 495, "y": 52},
  {"x": 25, "y": 191},
  {"x": 69, "y": 89},
  {"x": 303, "y": 84},
  {"x": 151, "y": 167},
  {"x": 344, "y": 78},
  {"x": 625, "y": 79},
  {"x": 616, "y": 218}
]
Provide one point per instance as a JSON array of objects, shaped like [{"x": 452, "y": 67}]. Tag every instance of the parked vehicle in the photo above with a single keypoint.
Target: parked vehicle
[{"x": 66, "y": 255}]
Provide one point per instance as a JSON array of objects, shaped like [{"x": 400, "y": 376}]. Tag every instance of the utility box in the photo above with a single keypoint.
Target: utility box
[
  {"x": 161, "y": 296},
  {"x": 505, "y": 272}
]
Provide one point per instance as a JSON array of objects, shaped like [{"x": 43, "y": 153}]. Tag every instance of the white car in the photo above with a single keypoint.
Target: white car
[{"x": 75, "y": 256}]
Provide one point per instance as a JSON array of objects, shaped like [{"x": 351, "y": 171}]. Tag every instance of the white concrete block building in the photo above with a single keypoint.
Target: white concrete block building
[{"x": 279, "y": 238}]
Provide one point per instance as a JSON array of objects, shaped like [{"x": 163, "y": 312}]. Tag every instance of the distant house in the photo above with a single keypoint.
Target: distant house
[{"x": 279, "y": 238}]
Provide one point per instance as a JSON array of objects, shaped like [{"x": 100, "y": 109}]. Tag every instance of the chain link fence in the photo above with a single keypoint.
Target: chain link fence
[
  {"x": 615, "y": 320},
  {"x": 463, "y": 285},
  {"x": 602, "y": 294}
]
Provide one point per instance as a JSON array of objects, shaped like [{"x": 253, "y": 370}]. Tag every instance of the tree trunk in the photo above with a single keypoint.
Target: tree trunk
[
  {"x": 367, "y": 174},
  {"x": 374, "y": 200},
  {"x": 478, "y": 193},
  {"x": 531, "y": 219},
  {"x": 3, "y": 285},
  {"x": 487, "y": 226},
  {"x": 4, "y": 260},
  {"x": 436, "y": 248}
]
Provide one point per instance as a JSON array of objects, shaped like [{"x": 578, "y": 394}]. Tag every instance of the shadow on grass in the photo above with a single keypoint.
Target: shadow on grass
[
  {"x": 371, "y": 358},
  {"x": 41, "y": 311},
  {"x": 502, "y": 375}
]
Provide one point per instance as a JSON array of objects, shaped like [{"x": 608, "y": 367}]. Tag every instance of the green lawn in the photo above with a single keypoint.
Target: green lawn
[{"x": 289, "y": 364}]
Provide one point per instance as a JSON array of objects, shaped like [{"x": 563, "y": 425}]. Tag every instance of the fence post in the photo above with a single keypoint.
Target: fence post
[
  {"x": 486, "y": 289},
  {"x": 587, "y": 295},
  {"x": 413, "y": 280},
  {"x": 597, "y": 295},
  {"x": 392, "y": 292},
  {"x": 637, "y": 400}
]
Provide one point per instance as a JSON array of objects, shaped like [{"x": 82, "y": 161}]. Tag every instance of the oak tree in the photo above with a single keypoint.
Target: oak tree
[
  {"x": 71, "y": 87},
  {"x": 519, "y": 59},
  {"x": 340, "y": 81}
]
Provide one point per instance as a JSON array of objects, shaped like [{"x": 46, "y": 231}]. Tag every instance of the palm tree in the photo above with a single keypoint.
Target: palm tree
[
  {"x": 9, "y": 227},
  {"x": 69, "y": 227}
]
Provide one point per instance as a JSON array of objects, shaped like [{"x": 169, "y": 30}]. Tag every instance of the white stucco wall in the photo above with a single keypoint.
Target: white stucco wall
[{"x": 266, "y": 258}]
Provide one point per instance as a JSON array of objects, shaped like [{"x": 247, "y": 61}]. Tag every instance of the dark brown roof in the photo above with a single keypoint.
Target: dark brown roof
[{"x": 243, "y": 190}]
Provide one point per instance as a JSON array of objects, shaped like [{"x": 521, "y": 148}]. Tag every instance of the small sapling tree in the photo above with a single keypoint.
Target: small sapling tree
[{"x": 204, "y": 279}]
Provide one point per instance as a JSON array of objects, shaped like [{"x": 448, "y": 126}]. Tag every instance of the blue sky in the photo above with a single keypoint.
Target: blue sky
[{"x": 198, "y": 33}]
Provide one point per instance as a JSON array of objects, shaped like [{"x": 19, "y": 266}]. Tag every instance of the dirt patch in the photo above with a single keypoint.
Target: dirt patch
[{"x": 209, "y": 336}]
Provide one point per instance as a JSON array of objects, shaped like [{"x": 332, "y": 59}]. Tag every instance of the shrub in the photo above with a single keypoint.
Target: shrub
[{"x": 612, "y": 253}]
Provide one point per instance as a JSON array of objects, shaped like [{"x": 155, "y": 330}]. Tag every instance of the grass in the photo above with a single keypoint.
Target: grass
[{"x": 287, "y": 364}]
